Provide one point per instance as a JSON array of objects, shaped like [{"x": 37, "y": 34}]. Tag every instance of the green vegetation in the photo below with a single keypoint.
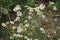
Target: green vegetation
[{"x": 29, "y": 20}]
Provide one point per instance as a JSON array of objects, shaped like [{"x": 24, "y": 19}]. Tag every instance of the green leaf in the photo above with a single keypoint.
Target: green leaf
[
  {"x": 10, "y": 3},
  {"x": 31, "y": 2},
  {"x": 3, "y": 10}
]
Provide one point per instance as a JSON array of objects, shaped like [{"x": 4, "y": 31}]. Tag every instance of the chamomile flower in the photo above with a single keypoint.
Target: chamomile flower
[
  {"x": 42, "y": 29},
  {"x": 54, "y": 8},
  {"x": 25, "y": 21},
  {"x": 19, "y": 13},
  {"x": 11, "y": 37},
  {"x": 17, "y": 8},
  {"x": 26, "y": 25},
  {"x": 3, "y": 24},
  {"x": 29, "y": 17},
  {"x": 43, "y": 16},
  {"x": 29, "y": 39},
  {"x": 14, "y": 34},
  {"x": 41, "y": 6},
  {"x": 18, "y": 35},
  {"x": 7, "y": 23},
  {"x": 13, "y": 27},
  {"x": 17, "y": 19},
  {"x": 19, "y": 29},
  {"x": 12, "y": 22},
  {"x": 51, "y": 3},
  {"x": 25, "y": 37},
  {"x": 48, "y": 36}
]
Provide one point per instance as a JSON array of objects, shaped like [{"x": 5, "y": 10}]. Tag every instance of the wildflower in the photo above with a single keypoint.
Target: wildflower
[
  {"x": 12, "y": 22},
  {"x": 51, "y": 3},
  {"x": 11, "y": 37},
  {"x": 14, "y": 35},
  {"x": 39, "y": 12},
  {"x": 42, "y": 7},
  {"x": 43, "y": 16},
  {"x": 29, "y": 17},
  {"x": 19, "y": 29},
  {"x": 42, "y": 29},
  {"x": 3, "y": 24},
  {"x": 25, "y": 21},
  {"x": 13, "y": 27},
  {"x": 48, "y": 36},
  {"x": 37, "y": 8},
  {"x": 55, "y": 20},
  {"x": 25, "y": 37},
  {"x": 26, "y": 6},
  {"x": 19, "y": 13},
  {"x": 55, "y": 32},
  {"x": 17, "y": 8},
  {"x": 54, "y": 8},
  {"x": 25, "y": 28},
  {"x": 18, "y": 35},
  {"x": 27, "y": 25},
  {"x": 17, "y": 19},
  {"x": 30, "y": 9},
  {"x": 7, "y": 23}
]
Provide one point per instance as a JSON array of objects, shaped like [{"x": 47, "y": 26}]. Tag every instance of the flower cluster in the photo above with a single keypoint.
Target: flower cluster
[{"x": 28, "y": 24}]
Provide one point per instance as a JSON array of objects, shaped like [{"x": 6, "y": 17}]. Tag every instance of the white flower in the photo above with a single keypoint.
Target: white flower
[
  {"x": 54, "y": 8},
  {"x": 14, "y": 35},
  {"x": 51, "y": 3},
  {"x": 3, "y": 24},
  {"x": 55, "y": 32},
  {"x": 12, "y": 22},
  {"x": 29, "y": 17},
  {"x": 43, "y": 16},
  {"x": 30, "y": 9},
  {"x": 17, "y": 8},
  {"x": 48, "y": 36},
  {"x": 19, "y": 13},
  {"x": 27, "y": 25},
  {"x": 26, "y": 6},
  {"x": 13, "y": 27},
  {"x": 19, "y": 29},
  {"x": 25, "y": 28},
  {"x": 17, "y": 19},
  {"x": 42, "y": 6},
  {"x": 25, "y": 37},
  {"x": 18, "y": 35},
  {"x": 42, "y": 29},
  {"x": 55, "y": 20},
  {"x": 11, "y": 37},
  {"x": 25, "y": 21},
  {"x": 36, "y": 9},
  {"x": 7, "y": 23}
]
